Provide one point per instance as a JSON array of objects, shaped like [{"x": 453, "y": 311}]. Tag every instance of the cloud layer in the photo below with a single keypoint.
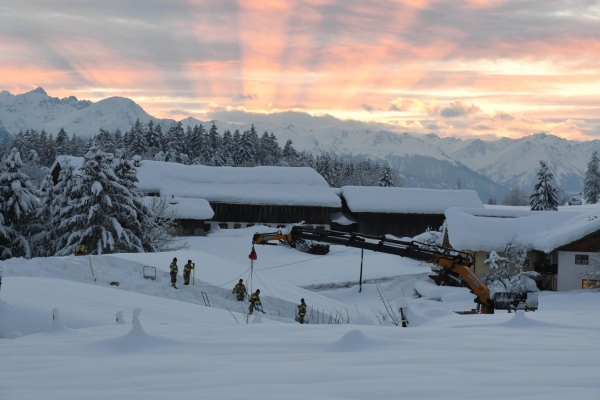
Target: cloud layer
[{"x": 463, "y": 68}]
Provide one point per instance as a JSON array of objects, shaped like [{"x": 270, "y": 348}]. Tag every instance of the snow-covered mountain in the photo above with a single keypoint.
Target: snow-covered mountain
[
  {"x": 36, "y": 110},
  {"x": 490, "y": 167}
]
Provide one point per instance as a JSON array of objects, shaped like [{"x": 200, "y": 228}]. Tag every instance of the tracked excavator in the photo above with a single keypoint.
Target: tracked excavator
[{"x": 451, "y": 267}]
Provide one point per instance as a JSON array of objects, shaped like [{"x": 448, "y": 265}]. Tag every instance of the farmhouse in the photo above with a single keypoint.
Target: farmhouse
[
  {"x": 234, "y": 197},
  {"x": 402, "y": 211},
  {"x": 562, "y": 245},
  {"x": 245, "y": 196}
]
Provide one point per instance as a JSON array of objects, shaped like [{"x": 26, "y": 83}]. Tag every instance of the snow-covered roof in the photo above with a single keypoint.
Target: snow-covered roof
[
  {"x": 407, "y": 200},
  {"x": 76, "y": 162},
  {"x": 300, "y": 186},
  {"x": 246, "y": 185},
  {"x": 186, "y": 208},
  {"x": 489, "y": 229}
]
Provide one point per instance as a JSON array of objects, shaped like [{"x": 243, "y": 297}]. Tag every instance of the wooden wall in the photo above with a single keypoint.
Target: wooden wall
[
  {"x": 397, "y": 224},
  {"x": 271, "y": 213}
]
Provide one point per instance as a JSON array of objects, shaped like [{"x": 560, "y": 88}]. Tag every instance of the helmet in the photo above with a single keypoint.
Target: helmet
[
  {"x": 302, "y": 300},
  {"x": 189, "y": 261},
  {"x": 241, "y": 280},
  {"x": 257, "y": 290},
  {"x": 175, "y": 259}
]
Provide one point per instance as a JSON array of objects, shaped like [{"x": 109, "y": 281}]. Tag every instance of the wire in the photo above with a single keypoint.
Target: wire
[
  {"x": 264, "y": 285},
  {"x": 298, "y": 262}
]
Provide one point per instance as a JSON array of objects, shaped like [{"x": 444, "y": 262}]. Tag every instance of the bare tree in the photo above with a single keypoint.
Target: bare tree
[
  {"x": 515, "y": 197},
  {"x": 508, "y": 272},
  {"x": 165, "y": 222}
]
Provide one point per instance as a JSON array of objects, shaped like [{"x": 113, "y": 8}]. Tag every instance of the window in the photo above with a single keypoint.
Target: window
[
  {"x": 581, "y": 259},
  {"x": 237, "y": 225},
  {"x": 590, "y": 284}
]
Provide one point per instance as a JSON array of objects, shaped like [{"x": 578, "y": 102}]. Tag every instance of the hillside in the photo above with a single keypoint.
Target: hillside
[{"x": 179, "y": 347}]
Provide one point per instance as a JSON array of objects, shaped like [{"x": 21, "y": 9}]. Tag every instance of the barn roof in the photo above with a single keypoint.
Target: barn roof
[
  {"x": 298, "y": 186},
  {"x": 375, "y": 199},
  {"x": 489, "y": 229},
  {"x": 198, "y": 209}
]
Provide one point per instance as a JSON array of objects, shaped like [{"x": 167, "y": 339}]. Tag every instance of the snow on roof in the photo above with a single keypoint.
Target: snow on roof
[
  {"x": 301, "y": 186},
  {"x": 247, "y": 185},
  {"x": 489, "y": 229},
  {"x": 186, "y": 208},
  {"x": 407, "y": 200}
]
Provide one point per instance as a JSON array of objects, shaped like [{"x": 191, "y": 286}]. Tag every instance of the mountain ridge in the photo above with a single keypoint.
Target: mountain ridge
[{"x": 489, "y": 166}]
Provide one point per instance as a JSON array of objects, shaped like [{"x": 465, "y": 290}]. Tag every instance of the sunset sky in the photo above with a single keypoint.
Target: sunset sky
[{"x": 486, "y": 68}]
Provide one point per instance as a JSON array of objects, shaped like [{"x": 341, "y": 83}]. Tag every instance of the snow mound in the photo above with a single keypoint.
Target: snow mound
[
  {"x": 257, "y": 319},
  {"x": 353, "y": 340},
  {"x": 521, "y": 321},
  {"x": 13, "y": 335},
  {"x": 462, "y": 295},
  {"x": 136, "y": 340},
  {"x": 57, "y": 325},
  {"x": 119, "y": 317},
  {"x": 415, "y": 319}
]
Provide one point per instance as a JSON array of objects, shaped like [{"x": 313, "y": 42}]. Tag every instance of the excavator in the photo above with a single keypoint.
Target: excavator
[{"x": 452, "y": 267}]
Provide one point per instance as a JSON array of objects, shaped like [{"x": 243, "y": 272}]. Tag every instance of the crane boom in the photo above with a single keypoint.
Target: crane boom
[{"x": 452, "y": 264}]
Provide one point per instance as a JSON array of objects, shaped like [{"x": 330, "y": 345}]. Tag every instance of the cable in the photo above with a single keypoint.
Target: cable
[
  {"x": 264, "y": 285},
  {"x": 226, "y": 283},
  {"x": 298, "y": 262}
]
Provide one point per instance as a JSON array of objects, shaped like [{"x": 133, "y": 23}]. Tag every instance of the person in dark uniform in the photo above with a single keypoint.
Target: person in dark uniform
[
  {"x": 187, "y": 271},
  {"x": 254, "y": 301},
  {"x": 301, "y": 311},
  {"x": 173, "y": 273},
  {"x": 240, "y": 290}
]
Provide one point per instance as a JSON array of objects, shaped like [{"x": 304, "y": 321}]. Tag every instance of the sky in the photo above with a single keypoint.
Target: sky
[
  {"x": 62, "y": 340},
  {"x": 464, "y": 68}
]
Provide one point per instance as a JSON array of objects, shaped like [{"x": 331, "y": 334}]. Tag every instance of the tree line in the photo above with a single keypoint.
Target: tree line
[{"x": 197, "y": 146}]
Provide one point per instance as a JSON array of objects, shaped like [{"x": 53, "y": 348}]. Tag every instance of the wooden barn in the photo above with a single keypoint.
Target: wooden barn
[
  {"x": 562, "y": 246},
  {"x": 402, "y": 212},
  {"x": 246, "y": 196}
]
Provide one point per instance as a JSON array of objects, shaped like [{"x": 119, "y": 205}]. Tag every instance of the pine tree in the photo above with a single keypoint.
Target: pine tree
[
  {"x": 19, "y": 204},
  {"x": 62, "y": 142},
  {"x": 138, "y": 144},
  {"x": 144, "y": 219},
  {"x": 60, "y": 204},
  {"x": 42, "y": 240},
  {"x": 289, "y": 154},
  {"x": 544, "y": 196},
  {"x": 196, "y": 143},
  {"x": 100, "y": 210},
  {"x": 245, "y": 151},
  {"x": 386, "y": 179},
  {"x": 591, "y": 183}
]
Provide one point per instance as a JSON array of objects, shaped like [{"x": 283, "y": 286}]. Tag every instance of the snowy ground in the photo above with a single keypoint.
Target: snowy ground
[{"x": 183, "y": 349}]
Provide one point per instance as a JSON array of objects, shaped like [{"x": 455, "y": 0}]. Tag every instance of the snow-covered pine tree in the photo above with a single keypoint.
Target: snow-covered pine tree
[
  {"x": 591, "y": 183},
  {"x": 99, "y": 211},
  {"x": 138, "y": 144},
  {"x": 19, "y": 204},
  {"x": 144, "y": 219},
  {"x": 42, "y": 241},
  {"x": 62, "y": 143},
  {"x": 544, "y": 196},
  {"x": 196, "y": 143},
  {"x": 213, "y": 139},
  {"x": 386, "y": 179},
  {"x": 289, "y": 154},
  {"x": 244, "y": 156}
]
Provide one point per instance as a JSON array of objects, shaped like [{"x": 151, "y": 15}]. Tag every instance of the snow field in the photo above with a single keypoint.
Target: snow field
[{"x": 182, "y": 349}]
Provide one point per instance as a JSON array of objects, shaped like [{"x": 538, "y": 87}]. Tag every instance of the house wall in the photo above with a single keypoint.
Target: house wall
[
  {"x": 570, "y": 275},
  {"x": 396, "y": 224}
]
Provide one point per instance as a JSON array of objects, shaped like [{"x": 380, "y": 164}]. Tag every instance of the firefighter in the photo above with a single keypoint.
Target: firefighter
[
  {"x": 173, "y": 273},
  {"x": 81, "y": 250},
  {"x": 239, "y": 290},
  {"x": 254, "y": 301},
  {"x": 301, "y": 311},
  {"x": 187, "y": 271}
]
